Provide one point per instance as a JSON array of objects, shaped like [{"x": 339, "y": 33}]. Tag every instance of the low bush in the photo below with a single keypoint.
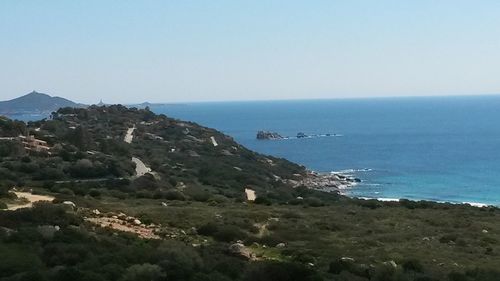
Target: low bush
[
  {"x": 314, "y": 202},
  {"x": 447, "y": 238},
  {"x": 340, "y": 265},
  {"x": 262, "y": 200},
  {"x": 228, "y": 233},
  {"x": 208, "y": 229},
  {"x": 280, "y": 271},
  {"x": 413, "y": 265},
  {"x": 174, "y": 195}
]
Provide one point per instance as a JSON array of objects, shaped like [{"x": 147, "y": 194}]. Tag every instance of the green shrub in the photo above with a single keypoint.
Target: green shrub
[
  {"x": 178, "y": 261},
  {"x": 224, "y": 233},
  {"x": 16, "y": 259},
  {"x": 280, "y": 271},
  {"x": 413, "y": 265},
  {"x": 219, "y": 199},
  {"x": 456, "y": 276},
  {"x": 228, "y": 233},
  {"x": 144, "y": 194},
  {"x": 201, "y": 197},
  {"x": 314, "y": 202},
  {"x": 5, "y": 192},
  {"x": 447, "y": 238},
  {"x": 174, "y": 195},
  {"x": 94, "y": 192},
  {"x": 262, "y": 200},
  {"x": 371, "y": 204},
  {"x": 150, "y": 272},
  {"x": 340, "y": 265},
  {"x": 198, "y": 194},
  {"x": 172, "y": 181},
  {"x": 118, "y": 194},
  {"x": 208, "y": 229},
  {"x": 145, "y": 182}
]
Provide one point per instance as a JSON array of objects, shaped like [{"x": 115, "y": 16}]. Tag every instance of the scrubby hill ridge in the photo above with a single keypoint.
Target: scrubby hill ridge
[{"x": 89, "y": 144}]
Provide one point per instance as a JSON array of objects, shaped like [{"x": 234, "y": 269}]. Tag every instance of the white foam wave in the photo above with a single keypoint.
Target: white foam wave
[
  {"x": 350, "y": 171},
  {"x": 386, "y": 199},
  {"x": 381, "y": 199},
  {"x": 476, "y": 204},
  {"x": 372, "y": 184}
]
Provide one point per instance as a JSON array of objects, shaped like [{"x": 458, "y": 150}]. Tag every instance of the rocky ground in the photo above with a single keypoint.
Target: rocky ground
[{"x": 331, "y": 182}]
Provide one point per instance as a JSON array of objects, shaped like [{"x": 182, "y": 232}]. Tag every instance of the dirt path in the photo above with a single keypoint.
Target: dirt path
[
  {"x": 32, "y": 198},
  {"x": 214, "y": 142},
  {"x": 130, "y": 135},
  {"x": 140, "y": 168}
]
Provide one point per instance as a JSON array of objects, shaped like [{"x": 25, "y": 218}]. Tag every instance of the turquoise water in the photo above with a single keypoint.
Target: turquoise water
[{"x": 440, "y": 148}]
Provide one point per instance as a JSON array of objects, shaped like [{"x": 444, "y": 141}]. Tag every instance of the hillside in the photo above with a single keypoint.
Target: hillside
[
  {"x": 92, "y": 144},
  {"x": 131, "y": 195},
  {"x": 34, "y": 103}
]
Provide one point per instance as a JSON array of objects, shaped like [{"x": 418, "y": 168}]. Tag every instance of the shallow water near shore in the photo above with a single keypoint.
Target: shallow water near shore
[{"x": 439, "y": 148}]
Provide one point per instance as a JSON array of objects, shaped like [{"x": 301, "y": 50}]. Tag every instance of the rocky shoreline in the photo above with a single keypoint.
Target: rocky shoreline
[{"x": 328, "y": 182}]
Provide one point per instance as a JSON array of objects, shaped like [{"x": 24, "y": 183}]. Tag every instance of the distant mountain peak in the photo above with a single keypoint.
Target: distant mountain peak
[
  {"x": 35, "y": 103},
  {"x": 35, "y": 93}
]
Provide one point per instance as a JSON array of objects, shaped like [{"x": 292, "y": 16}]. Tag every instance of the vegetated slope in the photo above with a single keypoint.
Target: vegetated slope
[
  {"x": 35, "y": 102},
  {"x": 88, "y": 144}
]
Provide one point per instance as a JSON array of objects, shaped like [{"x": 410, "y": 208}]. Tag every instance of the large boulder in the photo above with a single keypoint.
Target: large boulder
[{"x": 238, "y": 249}]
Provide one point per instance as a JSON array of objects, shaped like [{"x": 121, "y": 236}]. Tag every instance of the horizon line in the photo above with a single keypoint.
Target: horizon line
[{"x": 276, "y": 100}]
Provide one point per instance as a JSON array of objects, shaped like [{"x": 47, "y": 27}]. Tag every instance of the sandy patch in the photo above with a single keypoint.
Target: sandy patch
[{"x": 32, "y": 198}]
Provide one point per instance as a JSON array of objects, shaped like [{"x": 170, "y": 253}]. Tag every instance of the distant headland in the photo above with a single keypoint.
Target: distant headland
[
  {"x": 41, "y": 105},
  {"x": 35, "y": 103}
]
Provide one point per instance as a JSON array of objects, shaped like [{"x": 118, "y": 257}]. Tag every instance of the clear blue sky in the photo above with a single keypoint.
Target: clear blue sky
[{"x": 170, "y": 51}]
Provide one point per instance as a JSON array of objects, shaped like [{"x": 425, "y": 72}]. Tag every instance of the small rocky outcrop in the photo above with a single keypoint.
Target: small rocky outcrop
[
  {"x": 267, "y": 135},
  {"x": 325, "y": 181},
  {"x": 239, "y": 249},
  {"x": 69, "y": 204}
]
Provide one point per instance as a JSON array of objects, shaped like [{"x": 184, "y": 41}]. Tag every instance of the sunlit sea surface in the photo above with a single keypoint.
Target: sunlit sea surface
[{"x": 439, "y": 148}]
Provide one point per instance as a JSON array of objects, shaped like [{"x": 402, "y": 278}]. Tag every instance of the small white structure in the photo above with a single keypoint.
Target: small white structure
[{"x": 250, "y": 194}]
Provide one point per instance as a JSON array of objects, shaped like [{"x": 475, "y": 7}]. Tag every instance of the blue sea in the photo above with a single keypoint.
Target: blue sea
[{"x": 438, "y": 148}]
